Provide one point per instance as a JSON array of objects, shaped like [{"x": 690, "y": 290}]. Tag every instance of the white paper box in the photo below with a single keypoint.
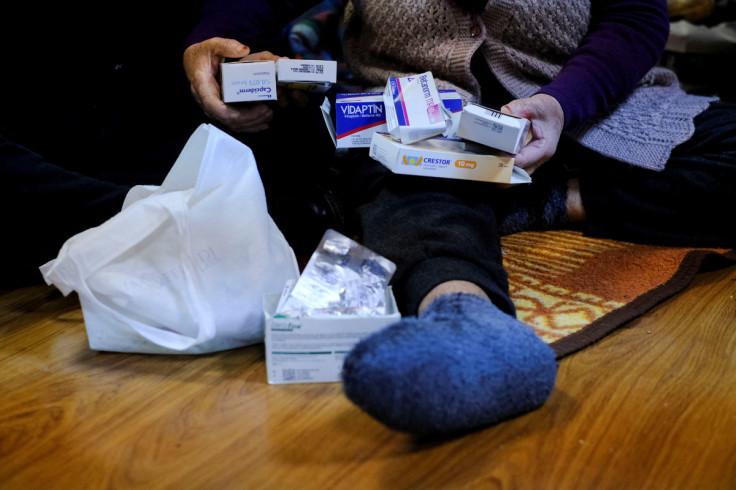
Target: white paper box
[
  {"x": 311, "y": 71},
  {"x": 493, "y": 128},
  {"x": 313, "y": 349},
  {"x": 444, "y": 158},
  {"x": 414, "y": 110},
  {"x": 247, "y": 81}
]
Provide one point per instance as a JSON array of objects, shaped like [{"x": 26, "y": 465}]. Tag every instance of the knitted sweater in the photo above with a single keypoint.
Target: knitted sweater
[{"x": 526, "y": 44}]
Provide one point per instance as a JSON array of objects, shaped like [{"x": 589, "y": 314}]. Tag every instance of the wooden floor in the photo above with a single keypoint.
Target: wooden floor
[{"x": 652, "y": 406}]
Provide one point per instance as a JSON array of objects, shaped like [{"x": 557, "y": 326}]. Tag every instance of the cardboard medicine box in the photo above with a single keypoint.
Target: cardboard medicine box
[
  {"x": 308, "y": 75},
  {"x": 359, "y": 115},
  {"x": 414, "y": 110},
  {"x": 312, "y": 71},
  {"x": 451, "y": 159},
  {"x": 313, "y": 349},
  {"x": 493, "y": 128},
  {"x": 248, "y": 81}
]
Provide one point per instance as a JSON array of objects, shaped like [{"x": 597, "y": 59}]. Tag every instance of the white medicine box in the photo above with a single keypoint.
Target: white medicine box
[
  {"x": 312, "y": 349},
  {"x": 493, "y": 128},
  {"x": 248, "y": 81}
]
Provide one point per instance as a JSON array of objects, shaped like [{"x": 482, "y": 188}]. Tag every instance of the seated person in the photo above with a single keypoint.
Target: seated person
[{"x": 618, "y": 150}]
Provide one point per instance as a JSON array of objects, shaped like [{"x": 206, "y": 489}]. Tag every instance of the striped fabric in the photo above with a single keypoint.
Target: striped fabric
[{"x": 572, "y": 290}]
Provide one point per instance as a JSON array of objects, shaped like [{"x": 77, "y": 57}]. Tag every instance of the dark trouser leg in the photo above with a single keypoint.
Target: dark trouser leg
[
  {"x": 42, "y": 206},
  {"x": 435, "y": 230},
  {"x": 464, "y": 362},
  {"x": 690, "y": 203}
]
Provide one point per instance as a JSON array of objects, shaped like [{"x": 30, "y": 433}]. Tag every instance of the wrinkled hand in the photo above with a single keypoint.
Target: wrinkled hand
[
  {"x": 547, "y": 119},
  {"x": 201, "y": 64}
]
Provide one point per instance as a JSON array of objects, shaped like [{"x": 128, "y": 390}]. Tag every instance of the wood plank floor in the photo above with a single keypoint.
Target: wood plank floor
[{"x": 651, "y": 406}]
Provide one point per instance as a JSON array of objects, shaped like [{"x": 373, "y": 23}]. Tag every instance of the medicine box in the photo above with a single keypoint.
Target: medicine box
[
  {"x": 413, "y": 109},
  {"x": 311, "y": 71},
  {"x": 247, "y": 81},
  {"x": 358, "y": 116},
  {"x": 313, "y": 349},
  {"x": 440, "y": 157},
  {"x": 493, "y": 128}
]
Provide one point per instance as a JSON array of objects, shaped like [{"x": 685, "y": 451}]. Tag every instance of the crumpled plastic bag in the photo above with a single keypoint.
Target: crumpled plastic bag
[{"x": 184, "y": 266}]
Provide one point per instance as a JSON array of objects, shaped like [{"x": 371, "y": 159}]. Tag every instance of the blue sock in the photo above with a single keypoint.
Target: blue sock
[{"x": 460, "y": 365}]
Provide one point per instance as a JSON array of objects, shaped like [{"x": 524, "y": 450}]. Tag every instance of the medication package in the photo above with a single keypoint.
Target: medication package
[
  {"x": 493, "y": 128},
  {"x": 248, "y": 81},
  {"x": 309, "y": 75},
  {"x": 257, "y": 80},
  {"x": 342, "y": 277},
  {"x": 358, "y": 116},
  {"x": 341, "y": 297},
  {"x": 414, "y": 110},
  {"x": 425, "y": 138},
  {"x": 446, "y": 158}
]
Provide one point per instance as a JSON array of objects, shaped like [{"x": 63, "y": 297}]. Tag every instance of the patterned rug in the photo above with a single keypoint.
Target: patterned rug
[{"x": 574, "y": 290}]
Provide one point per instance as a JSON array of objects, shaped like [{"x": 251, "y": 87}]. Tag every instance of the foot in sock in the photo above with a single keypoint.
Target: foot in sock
[{"x": 460, "y": 365}]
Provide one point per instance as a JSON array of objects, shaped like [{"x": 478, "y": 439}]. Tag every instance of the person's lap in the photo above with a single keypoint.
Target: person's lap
[
  {"x": 682, "y": 205},
  {"x": 437, "y": 229}
]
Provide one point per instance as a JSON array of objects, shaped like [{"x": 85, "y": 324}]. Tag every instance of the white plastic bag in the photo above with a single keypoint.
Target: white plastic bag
[{"x": 184, "y": 266}]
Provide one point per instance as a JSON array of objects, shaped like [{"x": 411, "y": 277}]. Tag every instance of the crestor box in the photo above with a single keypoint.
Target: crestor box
[
  {"x": 451, "y": 159},
  {"x": 247, "y": 81},
  {"x": 313, "y": 349}
]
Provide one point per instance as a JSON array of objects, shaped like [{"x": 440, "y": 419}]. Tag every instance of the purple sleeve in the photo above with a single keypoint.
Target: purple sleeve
[
  {"x": 256, "y": 23},
  {"x": 625, "y": 40}
]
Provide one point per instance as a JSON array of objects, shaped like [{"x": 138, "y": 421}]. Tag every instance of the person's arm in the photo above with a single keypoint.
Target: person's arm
[
  {"x": 222, "y": 28},
  {"x": 625, "y": 40}
]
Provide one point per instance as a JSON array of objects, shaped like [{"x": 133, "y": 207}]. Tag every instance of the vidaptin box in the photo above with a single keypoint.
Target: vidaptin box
[
  {"x": 313, "y": 349},
  {"x": 248, "y": 81},
  {"x": 358, "y": 116},
  {"x": 493, "y": 128},
  {"x": 450, "y": 159}
]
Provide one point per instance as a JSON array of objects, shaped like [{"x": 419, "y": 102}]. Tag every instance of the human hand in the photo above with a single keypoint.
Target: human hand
[
  {"x": 201, "y": 64},
  {"x": 547, "y": 119}
]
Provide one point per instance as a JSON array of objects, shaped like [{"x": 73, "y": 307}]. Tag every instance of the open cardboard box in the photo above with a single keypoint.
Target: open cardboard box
[
  {"x": 446, "y": 158},
  {"x": 312, "y": 349}
]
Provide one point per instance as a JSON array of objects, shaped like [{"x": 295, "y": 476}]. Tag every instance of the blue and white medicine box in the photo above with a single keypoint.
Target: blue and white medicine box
[
  {"x": 358, "y": 116},
  {"x": 248, "y": 81},
  {"x": 414, "y": 111}
]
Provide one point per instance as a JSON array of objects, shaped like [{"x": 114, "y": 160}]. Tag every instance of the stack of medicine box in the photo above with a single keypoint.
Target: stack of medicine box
[
  {"x": 410, "y": 133},
  {"x": 313, "y": 348}
]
